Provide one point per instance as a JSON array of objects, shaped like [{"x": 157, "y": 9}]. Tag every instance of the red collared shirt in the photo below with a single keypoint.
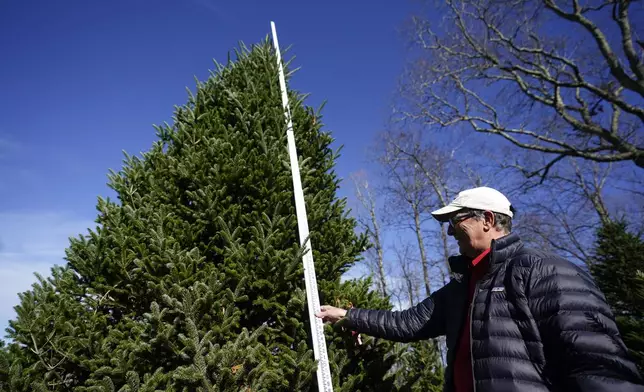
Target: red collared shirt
[{"x": 463, "y": 377}]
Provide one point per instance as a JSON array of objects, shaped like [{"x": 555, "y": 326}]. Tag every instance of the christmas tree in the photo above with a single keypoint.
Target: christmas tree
[
  {"x": 618, "y": 268},
  {"x": 193, "y": 280}
]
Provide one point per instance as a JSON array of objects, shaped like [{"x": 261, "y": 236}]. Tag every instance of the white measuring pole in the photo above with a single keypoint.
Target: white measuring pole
[{"x": 317, "y": 328}]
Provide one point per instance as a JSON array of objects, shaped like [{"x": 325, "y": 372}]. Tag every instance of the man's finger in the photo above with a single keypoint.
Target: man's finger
[{"x": 320, "y": 314}]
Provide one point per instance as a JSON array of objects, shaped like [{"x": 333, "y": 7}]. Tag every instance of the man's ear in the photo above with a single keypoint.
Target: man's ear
[{"x": 490, "y": 220}]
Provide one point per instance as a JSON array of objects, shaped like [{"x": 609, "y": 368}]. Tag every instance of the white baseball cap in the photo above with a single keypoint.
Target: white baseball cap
[{"x": 482, "y": 198}]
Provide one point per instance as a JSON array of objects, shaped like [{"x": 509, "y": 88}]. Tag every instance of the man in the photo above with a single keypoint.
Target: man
[{"x": 515, "y": 318}]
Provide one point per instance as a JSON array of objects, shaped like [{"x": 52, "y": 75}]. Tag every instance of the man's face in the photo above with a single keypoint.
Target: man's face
[{"x": 469, "y": 232}]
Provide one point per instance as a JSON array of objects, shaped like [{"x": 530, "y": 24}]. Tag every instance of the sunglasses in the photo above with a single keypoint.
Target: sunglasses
[{"x": 456, "y": 219}]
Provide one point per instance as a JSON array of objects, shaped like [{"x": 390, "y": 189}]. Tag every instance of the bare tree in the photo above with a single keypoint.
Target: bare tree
[
  {"x": 409, "y": 280},
  {"x": 564, "y": 78},
  {"x": 421, "y": 177},
  {"x": 408, "y": 196},
  {"x": 564, "y": 212},
  {"x": 370, "y": 223},
  {"x": 558, "y": 220}
]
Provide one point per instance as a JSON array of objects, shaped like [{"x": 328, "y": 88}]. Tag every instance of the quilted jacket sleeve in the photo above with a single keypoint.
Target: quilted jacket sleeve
[
  {"x": 582, "y": 346},
  {"x": 423, "y": 321}
]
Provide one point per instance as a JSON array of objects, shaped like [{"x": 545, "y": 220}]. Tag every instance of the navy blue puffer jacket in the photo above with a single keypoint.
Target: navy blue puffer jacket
[{"x": 539, "y": 323}]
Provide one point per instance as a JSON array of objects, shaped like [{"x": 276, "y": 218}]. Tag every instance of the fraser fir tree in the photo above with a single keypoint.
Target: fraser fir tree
[
  {"x": 618, "y": 268},
  {"x": 192, "y": 280}
]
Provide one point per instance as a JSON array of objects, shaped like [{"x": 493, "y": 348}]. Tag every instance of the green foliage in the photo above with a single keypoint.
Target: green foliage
[
  {"x": 418, "y": 367},
  {"x": 192, "y": 280},
  {"x": 618, "y": 268}
]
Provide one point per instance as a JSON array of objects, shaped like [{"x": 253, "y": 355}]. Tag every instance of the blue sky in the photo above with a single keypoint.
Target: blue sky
[{"x": 83, "y": 80}]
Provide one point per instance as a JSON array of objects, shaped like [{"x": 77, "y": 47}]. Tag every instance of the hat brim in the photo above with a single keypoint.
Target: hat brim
[{"x": 442, "y": 214}]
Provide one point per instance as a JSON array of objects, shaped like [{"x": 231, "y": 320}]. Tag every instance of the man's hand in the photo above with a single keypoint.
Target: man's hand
[{"x": 331, "y": 313}]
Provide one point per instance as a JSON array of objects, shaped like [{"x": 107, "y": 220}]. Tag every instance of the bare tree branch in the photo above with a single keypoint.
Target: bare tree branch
[{"x": 494, "y": 57}]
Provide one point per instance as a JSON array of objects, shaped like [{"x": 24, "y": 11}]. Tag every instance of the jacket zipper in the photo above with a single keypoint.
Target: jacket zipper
[{"x": 476, "y": 290}]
